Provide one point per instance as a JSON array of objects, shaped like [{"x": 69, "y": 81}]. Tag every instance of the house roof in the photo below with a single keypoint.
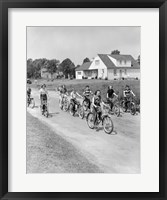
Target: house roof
[
  {"x": 110, "y": 65},
  {"x": 84, "y": 66}
]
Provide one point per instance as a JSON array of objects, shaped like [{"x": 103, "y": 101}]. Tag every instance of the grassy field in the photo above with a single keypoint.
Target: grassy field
[
  {"x": 47, "y": 152},
  {"x": 94, "y": 84}
]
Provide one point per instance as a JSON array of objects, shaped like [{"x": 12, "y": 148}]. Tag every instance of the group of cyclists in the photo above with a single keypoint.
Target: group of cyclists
[{"x": 95, "y": 103}]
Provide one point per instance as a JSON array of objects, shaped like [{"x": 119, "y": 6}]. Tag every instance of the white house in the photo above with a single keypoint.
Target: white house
[{"x": 110, "y": 66}]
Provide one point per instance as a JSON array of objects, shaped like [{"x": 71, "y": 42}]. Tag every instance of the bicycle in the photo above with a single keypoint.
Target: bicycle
[
  {"x": 74, "y": 107},
  {"x": 116, "y": 107},
  {"x": 129, "y": 105},
  {"x": 64, "y": 103},
  {"x": 44, "y": 108},
  {"x": 84, "y": 109},
  {"x": 105, "y": 119},
  {"x": 30, "y": 102}
]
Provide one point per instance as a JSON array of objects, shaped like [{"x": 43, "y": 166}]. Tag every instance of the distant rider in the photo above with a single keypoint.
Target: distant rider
[
  {"x": 29, "y": 92},
  {"x": 63, "y": 93},
  {"x": 110, "y": 96},
  {"x": 74, "y": 95},
  {"x": 43, "y": 94},
  {"x": 127, "y": 94},
  {"x": 87, "y": 92}
]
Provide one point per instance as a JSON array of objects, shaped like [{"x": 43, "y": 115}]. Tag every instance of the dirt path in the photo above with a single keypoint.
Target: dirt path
[{"x": 115, "y": 153}]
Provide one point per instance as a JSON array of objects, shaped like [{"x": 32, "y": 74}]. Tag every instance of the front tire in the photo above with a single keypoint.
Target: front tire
[
  {"x": 60, "y": 104},
  {"x": 71, "y": 109},
  {"x": 81, "y": 112},
  {"x": 133, "y": 109},
  {"x": 108, "y": 124},
  {"x": 90, "y": 120},
  {"x": 116, "y": 110}
]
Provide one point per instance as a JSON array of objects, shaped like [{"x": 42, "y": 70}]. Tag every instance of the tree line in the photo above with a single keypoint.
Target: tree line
[{"x": 66, "y": 67}]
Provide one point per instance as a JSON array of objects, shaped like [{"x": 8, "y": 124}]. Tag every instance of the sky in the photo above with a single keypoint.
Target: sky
[{"x": 77, "y": 43}]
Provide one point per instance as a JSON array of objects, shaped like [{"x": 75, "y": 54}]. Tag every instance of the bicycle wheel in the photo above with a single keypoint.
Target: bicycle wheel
[
  {"x": 65, "y": 105},
  {"x": 116, "y": 110},
  {"x": 123, "y": 106},
  {"x": 90, "y": 120},
  {"x": 60, "y": 104},
  {"x": 108, "y": 124},
  {"x": 133, "y": 108},
  {"x": 32, "y": 103},
  {"x": 81, "y": 112},
  {"x": 71, "y": 109}
]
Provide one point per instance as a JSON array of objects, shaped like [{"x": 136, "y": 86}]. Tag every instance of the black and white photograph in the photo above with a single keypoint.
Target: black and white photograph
[{"x": 83, "y": 99}]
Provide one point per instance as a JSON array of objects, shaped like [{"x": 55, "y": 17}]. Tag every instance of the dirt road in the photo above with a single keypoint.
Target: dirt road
[{"x": 118, "y": 152}]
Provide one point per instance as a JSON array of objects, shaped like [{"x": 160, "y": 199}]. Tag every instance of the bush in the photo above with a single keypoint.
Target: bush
[{"x": 106, "y": 78}]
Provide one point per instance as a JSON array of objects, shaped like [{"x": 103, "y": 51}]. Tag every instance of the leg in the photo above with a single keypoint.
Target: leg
[{"x": 95, "y": 115}]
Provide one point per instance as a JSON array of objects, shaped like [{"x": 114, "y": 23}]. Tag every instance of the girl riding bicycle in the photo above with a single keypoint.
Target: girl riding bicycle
[{"x": 43, "y": 95}]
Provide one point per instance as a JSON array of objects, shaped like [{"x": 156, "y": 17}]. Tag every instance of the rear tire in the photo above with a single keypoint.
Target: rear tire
[
  {"x": 71, "y": 109},
  {"x": 81, "y": 112},
  {"x": 123, "y": 106},
  {"x": 108, "y": 124},
  {"x": 90, "y": 120}
]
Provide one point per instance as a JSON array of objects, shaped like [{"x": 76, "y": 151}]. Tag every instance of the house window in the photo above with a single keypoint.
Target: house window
[
  {"x": 97, "y": 62},
  {"x": 120, "y": 62},
  {"x": 115, "y": 72},
  {"x": 79, "y": 73},
  {"x": 125, "y": 62},
  {"x": 125, "y": 71}
]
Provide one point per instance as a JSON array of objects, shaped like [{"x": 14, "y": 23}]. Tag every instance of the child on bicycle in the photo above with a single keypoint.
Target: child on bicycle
[
  {"x": 96, "y": 106},
  {"x": 74, "y": 95},
  {"x": 63, "y": 92},
  {"x": 28, "y": 92},
  {"x": 110, "y": 96},
  {"x": 127, "y": 94},
  {"x": 43, "y": 95},
  {"x": 87, "y": 92}
]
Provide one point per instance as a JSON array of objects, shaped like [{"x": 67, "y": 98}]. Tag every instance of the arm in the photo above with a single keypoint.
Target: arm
[
  {"x": 133, "y": 93},
  {"x": 78, "y": 95},
  {"x": 124, "y": 94},
  {"x": 93, "y": 102},
  {"x": 115, "y": 94}
]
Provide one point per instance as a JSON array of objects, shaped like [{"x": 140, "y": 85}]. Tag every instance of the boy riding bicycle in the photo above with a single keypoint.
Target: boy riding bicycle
[
  {"x": 87, "y": 92},
  {"x": 110, "y": 96},
  {"x": 74, "y": 95},
  {"x": 127, "y": 94}
]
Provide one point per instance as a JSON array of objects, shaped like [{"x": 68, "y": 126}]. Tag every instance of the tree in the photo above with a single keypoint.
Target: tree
[
  {"x": 86, "y": 60},
  {"x": 52, "y": 66},
  {"x": 67, "y": 67},
  {"x": 115, "y": 52}
]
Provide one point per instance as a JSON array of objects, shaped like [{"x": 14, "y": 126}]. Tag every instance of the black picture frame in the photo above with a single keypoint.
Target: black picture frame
[{"x": 4, "y": 5}]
